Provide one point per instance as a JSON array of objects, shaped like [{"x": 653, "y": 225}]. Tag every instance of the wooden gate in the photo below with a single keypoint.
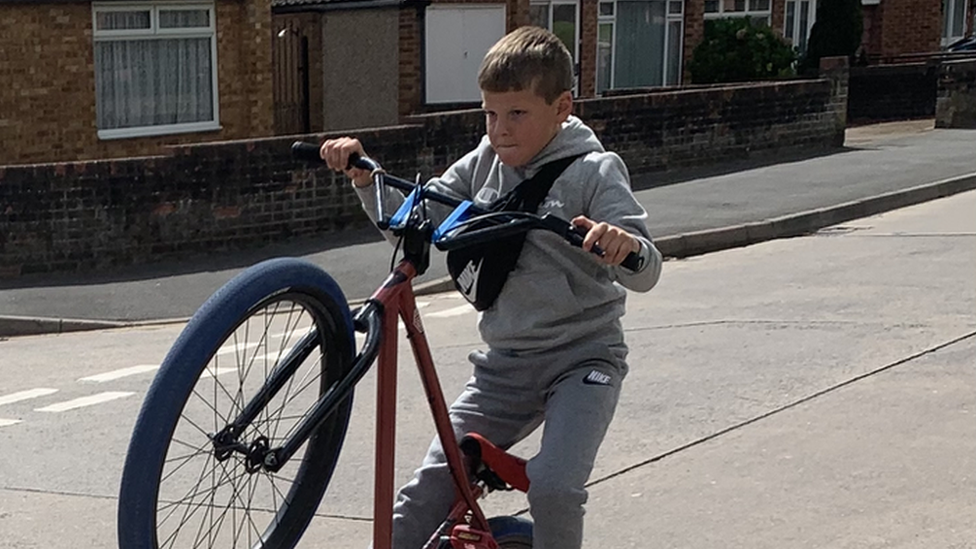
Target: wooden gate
[{"x": 290, "y": 51}]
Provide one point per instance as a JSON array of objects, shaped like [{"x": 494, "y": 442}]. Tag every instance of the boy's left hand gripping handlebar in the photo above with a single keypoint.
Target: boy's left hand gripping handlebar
[{"x": 310, "y": 152}]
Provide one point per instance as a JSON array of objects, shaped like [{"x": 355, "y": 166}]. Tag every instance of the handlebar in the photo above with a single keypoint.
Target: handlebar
[{"x": 518, "y": 222}]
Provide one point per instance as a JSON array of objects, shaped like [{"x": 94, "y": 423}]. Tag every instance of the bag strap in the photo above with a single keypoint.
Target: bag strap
[{"x": 528, "y": 195}]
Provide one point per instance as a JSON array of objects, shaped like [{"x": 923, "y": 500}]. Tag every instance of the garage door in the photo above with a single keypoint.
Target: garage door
[{"x": 457, "y": 38}]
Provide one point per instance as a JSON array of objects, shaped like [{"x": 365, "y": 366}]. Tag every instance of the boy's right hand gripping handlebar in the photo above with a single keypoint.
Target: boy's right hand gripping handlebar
[{"x": 310, "y": 152}]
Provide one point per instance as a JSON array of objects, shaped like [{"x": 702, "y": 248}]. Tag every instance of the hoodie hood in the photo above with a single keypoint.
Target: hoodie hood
[{"x": 575, "y": 138}]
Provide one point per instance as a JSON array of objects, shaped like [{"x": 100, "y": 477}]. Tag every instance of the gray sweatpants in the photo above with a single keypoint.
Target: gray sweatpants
[{"x": 574, "y": 390}]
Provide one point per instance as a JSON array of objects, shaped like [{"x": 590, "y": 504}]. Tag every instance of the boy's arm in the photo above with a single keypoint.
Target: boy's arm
[{"x": 610, "y": 200}]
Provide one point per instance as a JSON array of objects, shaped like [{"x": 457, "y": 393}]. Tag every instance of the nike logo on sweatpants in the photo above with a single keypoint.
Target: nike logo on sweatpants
[{"x": 596, "y": 377}]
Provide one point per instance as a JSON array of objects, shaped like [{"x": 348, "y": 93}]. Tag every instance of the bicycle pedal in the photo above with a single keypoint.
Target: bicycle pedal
[{"x": 463, "y": 536}]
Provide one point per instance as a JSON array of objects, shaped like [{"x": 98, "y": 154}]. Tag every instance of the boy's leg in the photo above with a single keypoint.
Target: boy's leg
[
  {"x": 578, "y": 412},
  {"x": 490, "y": 406}
]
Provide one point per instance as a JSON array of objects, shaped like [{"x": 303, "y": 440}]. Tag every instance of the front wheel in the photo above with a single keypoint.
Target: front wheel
[{"x": 182, "y": 486}]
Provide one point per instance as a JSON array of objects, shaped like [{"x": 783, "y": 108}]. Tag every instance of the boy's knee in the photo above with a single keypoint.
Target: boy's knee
[{"x": 550, "y": 496}]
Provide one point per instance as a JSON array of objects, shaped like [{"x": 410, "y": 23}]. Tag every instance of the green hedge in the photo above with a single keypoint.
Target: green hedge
[{"x": 740, "y": 50}]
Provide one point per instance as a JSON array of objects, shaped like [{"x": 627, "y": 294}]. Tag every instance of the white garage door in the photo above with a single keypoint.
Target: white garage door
[{"x": 458, "y": 37}]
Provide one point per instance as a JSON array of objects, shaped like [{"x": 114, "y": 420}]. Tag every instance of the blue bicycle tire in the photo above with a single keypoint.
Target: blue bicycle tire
[
  {"x": 509, "y": 533},
  {"x": 194, "y": 359}
]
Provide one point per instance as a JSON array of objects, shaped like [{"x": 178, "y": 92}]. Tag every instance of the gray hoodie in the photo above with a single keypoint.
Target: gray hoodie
[{"x": 557, "y": 294}]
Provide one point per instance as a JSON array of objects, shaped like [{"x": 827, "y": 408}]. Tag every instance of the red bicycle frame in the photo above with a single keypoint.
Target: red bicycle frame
[{"x": 398, "y": 302}]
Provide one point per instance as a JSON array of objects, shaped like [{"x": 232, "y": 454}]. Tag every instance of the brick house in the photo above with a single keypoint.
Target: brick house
[
  {"x": 422, "y": 55},
  {"x": 895, "y": 28},
  {"x": 84, "y": 80},
  {"x": 87, "y": 79}
]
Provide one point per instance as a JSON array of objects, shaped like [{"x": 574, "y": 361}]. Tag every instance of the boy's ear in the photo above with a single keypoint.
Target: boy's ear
[{"x": 564, "y": 105}]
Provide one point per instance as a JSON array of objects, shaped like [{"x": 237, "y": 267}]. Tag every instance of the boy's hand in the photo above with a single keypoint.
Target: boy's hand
[
  {"x": 616, "y": 242},
  {"x": 336, "y": 153}
]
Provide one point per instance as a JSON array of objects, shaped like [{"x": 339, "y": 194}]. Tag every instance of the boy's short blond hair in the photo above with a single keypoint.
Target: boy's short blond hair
[{"x": 528, "y": 58}]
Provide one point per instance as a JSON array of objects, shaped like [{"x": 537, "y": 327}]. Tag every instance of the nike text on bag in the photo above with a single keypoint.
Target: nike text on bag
[{"x": 480, "y": 270}]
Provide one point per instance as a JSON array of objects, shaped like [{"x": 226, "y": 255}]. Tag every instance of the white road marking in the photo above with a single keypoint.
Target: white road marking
[
  {"x": 454, "y": 311},
  {"x": 233, "y": 348},
  {"x": 84, "y": 401},
  {"x": 295, "y": 334},
  {"x": 8, "y": 422},
  {"x": 209, "y": 372},
  {"x": 25, "y": 395},
  {"x": 120, "y": 373}
]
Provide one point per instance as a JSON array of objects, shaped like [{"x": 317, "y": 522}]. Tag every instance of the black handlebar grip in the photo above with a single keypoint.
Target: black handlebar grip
[
  {"x": 632, "y": 262},
  {"x": 301, "y": 150},
  {"x": 356, "y": 161},
  {"x": 306, "y": 151},
  {"x": 575, "y": 237}
]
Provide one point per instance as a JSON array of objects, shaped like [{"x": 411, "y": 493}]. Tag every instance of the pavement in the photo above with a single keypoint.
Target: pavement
[
  {"x": 690, "y": 212},
  {"x": 811, "y": 392}
]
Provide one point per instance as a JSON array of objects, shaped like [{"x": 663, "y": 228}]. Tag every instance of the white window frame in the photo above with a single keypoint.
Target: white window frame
[
  {"x": 576, "y": 8},
  {"x": 612, "y": 20},
  {"x": 948, "y": 19},
  {"x": 791, "y": 34},
  {"x": 154, "y": 31},
  {"x": 576, "y": 32},
  {"x": 749, "y": 12}
]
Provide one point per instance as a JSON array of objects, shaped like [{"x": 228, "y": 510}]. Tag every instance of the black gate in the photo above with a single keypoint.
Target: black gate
[{"x": 290, "y": 52}]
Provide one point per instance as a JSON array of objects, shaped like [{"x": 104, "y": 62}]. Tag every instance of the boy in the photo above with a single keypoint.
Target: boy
[{"x": 555, "y": 344}]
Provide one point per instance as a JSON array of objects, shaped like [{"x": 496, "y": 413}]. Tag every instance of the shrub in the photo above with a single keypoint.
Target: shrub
[
  {"x": 740, "y": 50},
  {"x": 837, "y": 32}
]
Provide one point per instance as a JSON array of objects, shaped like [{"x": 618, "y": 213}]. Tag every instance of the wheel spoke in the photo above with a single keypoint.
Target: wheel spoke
[{"x": 202, "y": 501}]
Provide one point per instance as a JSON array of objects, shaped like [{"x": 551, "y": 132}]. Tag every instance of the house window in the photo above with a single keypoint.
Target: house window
[
  {"x": 800, "y": 15},
  {"x": 753, "y": 9},
  {"x": 562, "y": 19},
  {"x": 953, "y": 20},
  {"x": 155, "y": 69},
  {"x": 639, "y": 43}
]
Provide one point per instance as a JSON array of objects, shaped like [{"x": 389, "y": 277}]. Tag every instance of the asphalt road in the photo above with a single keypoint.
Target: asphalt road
[{"x": 811, "y": 392}]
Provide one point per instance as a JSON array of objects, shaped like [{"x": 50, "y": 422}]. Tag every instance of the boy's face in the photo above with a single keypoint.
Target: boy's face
[{"x": 521, "y": 123}]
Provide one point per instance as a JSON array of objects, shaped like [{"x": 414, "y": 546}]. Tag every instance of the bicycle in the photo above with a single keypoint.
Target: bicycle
[{"x": 288, "y": 322}]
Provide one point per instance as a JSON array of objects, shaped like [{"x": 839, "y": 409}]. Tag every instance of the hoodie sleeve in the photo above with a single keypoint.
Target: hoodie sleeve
[
  {"x": 609, "y": 199},
  {"x": 455, "y": 182}
]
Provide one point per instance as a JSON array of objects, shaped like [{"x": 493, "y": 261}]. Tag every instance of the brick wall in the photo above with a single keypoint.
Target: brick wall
[
  {"x": 910, "y": 26},
  {"x": 587, "y": 49},
  {"x": 956, "y": 103},
  {"x": 892, "y": 92},
  {"x": 688, "y": 128},
  {"x": 411, "y": 94},
  {"x": 208, "y": 197},
  {"x": 47, "y": 100},
  {"x": 871, "y": 36},
  {"x": 694, "y": 32}
]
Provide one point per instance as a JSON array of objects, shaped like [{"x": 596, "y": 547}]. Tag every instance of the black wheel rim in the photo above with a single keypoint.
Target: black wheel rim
[{"x": 207, "y": 502}]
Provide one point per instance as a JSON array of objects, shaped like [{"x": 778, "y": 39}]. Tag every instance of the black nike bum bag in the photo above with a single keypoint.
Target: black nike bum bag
[{"x": 481, "y": 270}]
